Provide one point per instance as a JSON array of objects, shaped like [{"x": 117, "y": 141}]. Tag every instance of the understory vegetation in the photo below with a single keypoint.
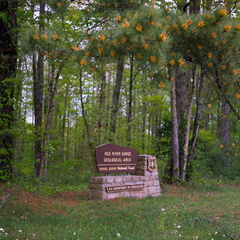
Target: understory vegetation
[
  {"x": 158, "y": 77},
  {"x": 207, "y": 211}
]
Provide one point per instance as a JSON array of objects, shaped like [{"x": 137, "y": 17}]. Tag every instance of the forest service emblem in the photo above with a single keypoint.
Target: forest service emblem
[{"x": 152, "y": 164}]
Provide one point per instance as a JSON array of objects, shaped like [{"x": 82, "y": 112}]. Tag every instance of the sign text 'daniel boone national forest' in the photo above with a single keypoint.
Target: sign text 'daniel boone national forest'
[{"x": 115, "y": 159}]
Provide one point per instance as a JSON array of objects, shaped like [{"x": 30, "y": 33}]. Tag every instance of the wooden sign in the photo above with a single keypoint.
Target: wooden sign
[{"x": 115, "y": 159}]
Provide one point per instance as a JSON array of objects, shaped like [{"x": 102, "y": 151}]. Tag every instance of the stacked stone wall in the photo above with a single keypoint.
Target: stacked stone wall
[{"x": 141, "y": 184}]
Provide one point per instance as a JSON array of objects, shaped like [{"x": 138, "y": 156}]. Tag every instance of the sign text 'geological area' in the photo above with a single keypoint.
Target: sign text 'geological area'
[{"x": 115, "y": 159}]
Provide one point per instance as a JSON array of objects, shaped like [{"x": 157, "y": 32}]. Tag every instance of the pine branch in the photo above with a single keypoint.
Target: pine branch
[{"x": 224, "y": 95}]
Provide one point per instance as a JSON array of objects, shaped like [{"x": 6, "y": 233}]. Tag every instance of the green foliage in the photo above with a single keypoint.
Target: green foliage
[
  {"x": 215, "y": 160},
  {"x": 87, "y": 40}
]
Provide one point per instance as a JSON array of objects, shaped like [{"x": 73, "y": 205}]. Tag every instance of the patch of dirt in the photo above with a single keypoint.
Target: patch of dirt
[{"x": 55, "y": 204}]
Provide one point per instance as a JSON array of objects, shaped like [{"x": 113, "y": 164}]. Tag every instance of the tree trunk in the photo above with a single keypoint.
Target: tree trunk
[
  {"x": 89, "y": 137},
  {"x": 51, "y": 93},
  {"x": 48, "y": 109},
  {"x": 194, "y": 6},
  {"x": 102, "y": 107},
  {"x": 64, "y": 123},
  {"x": 129, "y": 113},
  {"x": 225, "y": 125},
  {"x": 197, "y": 120},
  {"x": 144, "y": 115},
  {"x": 188, "y": 125},
  {"x": 38, "y": 98},
  {"x": 116, "y": 95},
  {"x": 175, "y": 133},
  {"x": 8, "y": 64},
  {"x": 18, "y": 140}
]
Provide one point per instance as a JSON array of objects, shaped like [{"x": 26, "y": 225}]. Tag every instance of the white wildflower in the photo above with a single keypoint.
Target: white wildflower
[
  {"x": 118, "y": 235},
  {"x": 1, "y": 230},
  {"x": 178, "y": 226}
]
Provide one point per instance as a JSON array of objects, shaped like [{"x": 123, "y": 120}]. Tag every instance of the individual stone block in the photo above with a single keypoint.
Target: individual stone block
[
  {"x": 128, "y": 178},
  {"x": 125, "y": 194},
  {"x": 100, "y": 180},
  {"x": 136, "y": 178},
  {"x": 153, "y": 190},
  {"x": 139, "y": 182},
  {"x": 149, "y": 183},
  {"x": 140, "y": 168},
  {"x": 156, "y": 183},
  {"x": 110, "y": 179},
  {"x": 112, "y": 195},
  {"x": 118, "y": 179},
  {"x": 141, "y": 193},
  {"x": 92, "y": 186},
  {"x": 101, "y": 187}
]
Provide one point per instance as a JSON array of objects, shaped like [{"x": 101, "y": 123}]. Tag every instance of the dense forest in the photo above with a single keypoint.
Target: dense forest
[{"x": 161, "y": 77}]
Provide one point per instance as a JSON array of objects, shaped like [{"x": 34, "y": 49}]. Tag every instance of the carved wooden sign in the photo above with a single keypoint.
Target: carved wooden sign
[
  {"x": 115, "y": 159},
  {"x": 152, "y": 164}
]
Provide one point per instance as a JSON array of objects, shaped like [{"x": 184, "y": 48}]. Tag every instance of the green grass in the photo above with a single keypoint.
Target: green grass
[{"x": 180, "y": 213}]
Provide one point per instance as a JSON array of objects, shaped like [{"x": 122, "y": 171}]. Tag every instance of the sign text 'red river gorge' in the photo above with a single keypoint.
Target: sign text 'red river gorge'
[{"x": 112, "y": 159}]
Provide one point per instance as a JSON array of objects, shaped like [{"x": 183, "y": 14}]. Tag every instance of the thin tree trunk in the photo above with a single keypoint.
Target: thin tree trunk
[
  {"x": 198, "y": 117},
  {"x": 52, "y": 91},
  {"x": 225, "y": 124},
  {"x": 64, "y": 123},
  {"x": 116, "y": 95},
  {"x": 129, "y": 114},
  {"x": 175, "y": 133},
  {"x": 130, "y": 101},
  {"x": 89, "y": 138},
  {"x": 68, "y": 135},
  {"x": 38, "y": 98},
  {"x": 102, "y": 107},
  {"x": 188, "y": 125},
  {"x": 144, "y": 110},
  {"x": 49, "y": 102}
]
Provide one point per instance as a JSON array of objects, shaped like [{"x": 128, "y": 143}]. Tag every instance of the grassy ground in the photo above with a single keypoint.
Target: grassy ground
[{"x": 180, "y": 213}]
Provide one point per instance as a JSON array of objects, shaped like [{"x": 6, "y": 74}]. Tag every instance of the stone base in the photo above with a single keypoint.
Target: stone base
[
  {"x": 142, "y": 184},
  {"x": 98, "y": 187}
]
